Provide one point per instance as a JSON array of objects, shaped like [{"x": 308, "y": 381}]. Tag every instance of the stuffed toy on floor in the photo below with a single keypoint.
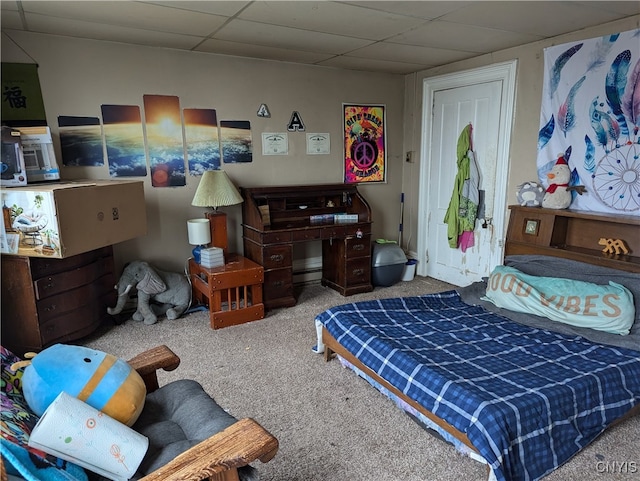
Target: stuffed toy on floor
[
  {"x": 101, "y": 380},
  {"x": 169, "y": 289}
]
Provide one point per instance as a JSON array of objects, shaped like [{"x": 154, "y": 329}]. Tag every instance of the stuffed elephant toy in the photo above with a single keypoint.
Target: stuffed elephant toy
[{"x": 170, "y": 289}]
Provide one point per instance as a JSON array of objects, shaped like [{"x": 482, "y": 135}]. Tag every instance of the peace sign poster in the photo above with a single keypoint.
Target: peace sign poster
[{"x": 365, "y": 153}]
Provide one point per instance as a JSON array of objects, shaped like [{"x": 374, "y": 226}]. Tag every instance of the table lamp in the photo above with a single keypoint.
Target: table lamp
[
  {"x": 199, "y": 231},
  {"x": 216, "y": 190}
]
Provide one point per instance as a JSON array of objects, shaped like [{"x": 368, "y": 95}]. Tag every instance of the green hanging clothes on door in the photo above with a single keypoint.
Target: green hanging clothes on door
[{"x": 463, "y": 207}]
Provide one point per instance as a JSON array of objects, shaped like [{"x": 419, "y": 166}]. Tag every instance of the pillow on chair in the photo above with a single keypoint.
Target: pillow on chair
[
  {"x": 175, "y": 418},
  {"x": 16, "y": 423}
]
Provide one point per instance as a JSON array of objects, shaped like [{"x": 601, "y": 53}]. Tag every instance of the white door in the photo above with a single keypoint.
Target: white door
[{"x": 481, "y": 104}]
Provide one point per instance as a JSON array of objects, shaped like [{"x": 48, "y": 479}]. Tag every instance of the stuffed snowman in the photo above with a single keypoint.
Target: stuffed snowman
[{"x": 558, "y": 195}]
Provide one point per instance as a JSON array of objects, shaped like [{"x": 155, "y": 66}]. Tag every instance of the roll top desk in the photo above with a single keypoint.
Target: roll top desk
[{"x": 275, "y": 218}]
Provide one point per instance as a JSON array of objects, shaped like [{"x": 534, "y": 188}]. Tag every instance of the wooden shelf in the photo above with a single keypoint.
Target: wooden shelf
[{"x": 574, "y": 235}]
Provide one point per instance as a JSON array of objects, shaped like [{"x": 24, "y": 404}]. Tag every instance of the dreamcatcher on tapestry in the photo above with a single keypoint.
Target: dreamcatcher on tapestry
[{"x": 591, "y": 116}]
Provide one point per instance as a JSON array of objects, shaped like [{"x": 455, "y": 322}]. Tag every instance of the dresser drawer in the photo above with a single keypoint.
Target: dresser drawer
[
  {"x": 73, "y": 299},
  {"x": 275, "y": 257},
  {"x": 41, "y": 266},
  {"x": 355, "y": 247},
  {"x": 65, "y": 281},
  {"x": 72, "y": 325}
]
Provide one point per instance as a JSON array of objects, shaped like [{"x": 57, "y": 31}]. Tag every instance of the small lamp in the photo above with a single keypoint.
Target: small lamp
[
  {"x": 199, "y": 235},
  {"x": 216, "y": 190}
]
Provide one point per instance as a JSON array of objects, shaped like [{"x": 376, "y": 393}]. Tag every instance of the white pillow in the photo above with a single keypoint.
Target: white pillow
[{"x": 606, "y": 308}]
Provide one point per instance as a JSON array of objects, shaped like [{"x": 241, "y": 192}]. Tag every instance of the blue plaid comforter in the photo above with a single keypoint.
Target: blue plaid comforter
[{"x": 528, "y": 399}]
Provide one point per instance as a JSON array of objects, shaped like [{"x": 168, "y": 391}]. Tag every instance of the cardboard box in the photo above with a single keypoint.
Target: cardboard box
[
  {"x": 12, "y": 168},
  {"x": 38, "y": 153},
  {"x": 68, "y": 218}
]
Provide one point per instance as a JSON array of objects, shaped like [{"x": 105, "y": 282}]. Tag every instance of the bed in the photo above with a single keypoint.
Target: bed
[{"x": 515, "y": 390}]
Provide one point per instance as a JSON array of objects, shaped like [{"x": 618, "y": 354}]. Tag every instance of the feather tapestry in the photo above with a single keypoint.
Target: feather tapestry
[{"x": 591, "y": 107}]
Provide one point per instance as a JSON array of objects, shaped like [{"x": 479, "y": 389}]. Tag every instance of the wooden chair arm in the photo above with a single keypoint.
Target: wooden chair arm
[
  {"x": 237, "y": 446},
  {"x": 3, "y": 471},
  {"x": 148, "y": 362}
]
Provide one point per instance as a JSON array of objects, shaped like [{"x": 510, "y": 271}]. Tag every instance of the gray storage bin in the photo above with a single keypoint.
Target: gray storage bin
[{"x": 387, "y": 264}]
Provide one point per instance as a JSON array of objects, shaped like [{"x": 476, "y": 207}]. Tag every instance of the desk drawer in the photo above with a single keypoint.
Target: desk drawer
[
  {"x": 358, "y": 271},
  {"x": 355, "y": 247},
  {"x": 354, "y": 229},
  {"x": 277, "y": 283},
  {"x": 275, "y": 257},
  {"x": 306, "y": 235},
  {"x": 275, "y": 237},
  {"x": 333, "y": 232}
]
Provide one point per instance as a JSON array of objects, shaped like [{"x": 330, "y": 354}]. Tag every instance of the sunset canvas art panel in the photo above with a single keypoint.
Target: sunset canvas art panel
[
  {"x": 164, "y": 140},
  {"x": 80, "y": 141},
  {"x": 124, "y": 140},
  {"x": 236, "y": 141},
  {"x": 202, "y": 140}
]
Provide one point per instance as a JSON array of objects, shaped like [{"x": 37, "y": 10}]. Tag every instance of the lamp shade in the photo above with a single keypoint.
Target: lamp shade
[
  {"x": 216, "y": 190},
  {"x": 199, "y": 231}
]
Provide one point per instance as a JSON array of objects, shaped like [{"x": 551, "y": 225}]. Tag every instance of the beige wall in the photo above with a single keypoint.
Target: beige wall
[
  {"x": 524, "y": 135},
  {"x": 77, "y": 76}
]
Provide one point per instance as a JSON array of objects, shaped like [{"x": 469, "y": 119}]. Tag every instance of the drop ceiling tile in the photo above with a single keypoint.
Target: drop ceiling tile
[
  {"x": 410, "y": 53},
  {"x": 530, "y": 17},
  {"x": 9, "y": 5},
  {"x": 372, "y": 65},
  {"x": 96, "y": 31},
  {"x": 439, "y": 34},
  {"x": 243, "y": 31},
  {"x": 259, "y": 51},
  {"x": 316, "y": 31},
  {"x": 623, "y": 8},
  {"x": 131, "y": 14},
  {"x": 11, "y": 19},
  {"x": 226, "y": 9},
  {"x": 427, "y": 10},
  {"x": 331, "y": 17}
]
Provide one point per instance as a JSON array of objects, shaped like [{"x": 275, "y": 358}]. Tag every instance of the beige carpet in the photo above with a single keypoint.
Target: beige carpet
[{"x": 331, "y": 425}]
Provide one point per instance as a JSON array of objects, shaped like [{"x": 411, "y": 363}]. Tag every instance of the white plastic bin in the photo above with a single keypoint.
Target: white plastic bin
[{"x": 409, "y": 271}]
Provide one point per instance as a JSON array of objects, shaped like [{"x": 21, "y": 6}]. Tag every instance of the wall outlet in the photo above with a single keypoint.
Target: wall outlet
[{"x": 409, "y": 156}]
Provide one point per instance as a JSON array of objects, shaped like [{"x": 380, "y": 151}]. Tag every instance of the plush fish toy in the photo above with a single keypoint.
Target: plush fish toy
[{"x": 103, "y": 381}]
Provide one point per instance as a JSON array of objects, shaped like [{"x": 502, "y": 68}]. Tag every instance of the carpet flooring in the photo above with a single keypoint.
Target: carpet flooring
[{"x": 331, "y": 425}]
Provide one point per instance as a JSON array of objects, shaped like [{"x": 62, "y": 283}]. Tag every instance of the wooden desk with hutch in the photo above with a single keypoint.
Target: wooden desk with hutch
[{"x": 274, "y": 218}]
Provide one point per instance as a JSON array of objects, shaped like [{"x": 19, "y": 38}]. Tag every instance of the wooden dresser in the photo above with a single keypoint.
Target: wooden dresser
[
  {"x": 46, "y": 301},
  {"x": 274, "y": 218}
]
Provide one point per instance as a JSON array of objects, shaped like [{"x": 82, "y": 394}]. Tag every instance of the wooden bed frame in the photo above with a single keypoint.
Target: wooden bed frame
[{"x": 559, "y": 233}]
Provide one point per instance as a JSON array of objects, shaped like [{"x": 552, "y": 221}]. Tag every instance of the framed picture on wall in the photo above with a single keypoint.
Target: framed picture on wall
[{"x": 365, "y": 152}]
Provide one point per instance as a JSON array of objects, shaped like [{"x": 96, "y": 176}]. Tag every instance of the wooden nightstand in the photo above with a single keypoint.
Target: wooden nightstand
[{"x": 233, "y": 292}]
